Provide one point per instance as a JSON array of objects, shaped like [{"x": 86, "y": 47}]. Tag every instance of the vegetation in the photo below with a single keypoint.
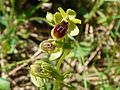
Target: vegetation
[{"x": 60, "y": 44}]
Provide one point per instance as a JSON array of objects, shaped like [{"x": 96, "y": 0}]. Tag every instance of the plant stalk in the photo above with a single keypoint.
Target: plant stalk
[{"x": 56, "y": 82}]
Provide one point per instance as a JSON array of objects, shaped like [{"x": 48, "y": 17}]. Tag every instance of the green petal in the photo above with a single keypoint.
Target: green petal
[
  {"x": 50, "y": 17},
  {"x": 75, "y": 31},
  {"x": 71, "y": 26},
  {"x": 76, "y": 21},
  {"x": 62, "y": 12},
  {"x": 57, "y": 18},
  {"x": 71, "y": 13},
  {"x": 56, "y": 55}
]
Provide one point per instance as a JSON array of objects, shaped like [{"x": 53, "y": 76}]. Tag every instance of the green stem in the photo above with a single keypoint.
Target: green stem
[
  {"x": 84, "y": 73},
  {"x": 56, "y": 83},
  {"x": 65, "y": 52},
  {"x": 61, "y": 59}
]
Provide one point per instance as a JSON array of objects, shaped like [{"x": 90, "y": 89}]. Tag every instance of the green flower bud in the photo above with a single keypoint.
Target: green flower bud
[
  {"x": 37, "y": 70},
  {"x": 44, "y": 70},
  {"x": 48, "y": 47}
]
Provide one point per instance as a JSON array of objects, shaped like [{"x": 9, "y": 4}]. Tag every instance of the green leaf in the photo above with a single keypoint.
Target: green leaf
[
  {"x": 107, "y": 87},
  {"x": 4, "y": 84},
  {"x": 102, "y": 17},
  {"x": 82, "y": 49},
  {"x": 9, "y": 44},
  {"x": 13, "y": 42},
  {"x": 50, "y": 17},
  {"x": 57, "y": 18},
  {"x": 57, "y": 75},
  {"x": 71, "y": 13},
  {"x": 3, "y": 21},
  {"x": 62, "y": 12}
]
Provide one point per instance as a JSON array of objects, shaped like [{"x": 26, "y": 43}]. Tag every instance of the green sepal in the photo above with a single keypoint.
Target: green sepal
[
  {"x": 50, "y": 17},
  {"x": 56, "y": 55},
  {"x": 62, "y": 12},
  {"x": 36, "y": 80},
  {"x": 76, "y": 21},
  {"x": 71, "y": 13}
]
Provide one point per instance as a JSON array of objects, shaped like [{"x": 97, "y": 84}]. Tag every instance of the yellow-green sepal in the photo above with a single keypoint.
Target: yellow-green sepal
[
  {"x": 55, "y": 55},
  {"x": 50, "y": 17},
  {"x": 62, "y": 12},
  {"x": 71, "y": 13}
]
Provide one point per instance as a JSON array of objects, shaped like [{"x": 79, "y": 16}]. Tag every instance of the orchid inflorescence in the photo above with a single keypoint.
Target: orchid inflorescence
[{"x": 64, "y": 27}]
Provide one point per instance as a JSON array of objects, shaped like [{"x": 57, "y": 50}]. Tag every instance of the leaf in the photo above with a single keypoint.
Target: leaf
[
  {"x": 97, "y": 5},
  {"x": 57, "y": 75},
  {"x": 13, "y": 42},
  {"x": 62, "y": 12},
  {"x": 3, "y": 21},
  {"x": 82, "y": 49},
  {"x": 71, "y": 13},
  {"x": 9, "y": 44},
  {"x": 102, "y": 17},
  {"x": 50, "y": 17},
  {"x": 107, "y": 87},
  {"x": 57, "y": 18},
  {"x": 4, "y": 84}
]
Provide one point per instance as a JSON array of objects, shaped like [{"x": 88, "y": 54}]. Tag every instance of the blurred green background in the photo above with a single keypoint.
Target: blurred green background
[{"x": 94, "y": 62}]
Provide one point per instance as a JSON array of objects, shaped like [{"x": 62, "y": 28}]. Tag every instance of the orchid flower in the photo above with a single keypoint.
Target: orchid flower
[{"x": 64, "y": 25}]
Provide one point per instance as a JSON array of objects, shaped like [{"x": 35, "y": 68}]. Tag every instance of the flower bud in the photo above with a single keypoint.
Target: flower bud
[
  {"x": 38, "y": 70},
  {"x": 44, "y": 70},
  {"x": 47, "y": 46}
]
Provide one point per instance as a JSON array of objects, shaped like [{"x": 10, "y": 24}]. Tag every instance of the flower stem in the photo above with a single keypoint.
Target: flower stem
[
  {"x": 61, "y": 59},
  {"x": 56, "y": 83}
]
